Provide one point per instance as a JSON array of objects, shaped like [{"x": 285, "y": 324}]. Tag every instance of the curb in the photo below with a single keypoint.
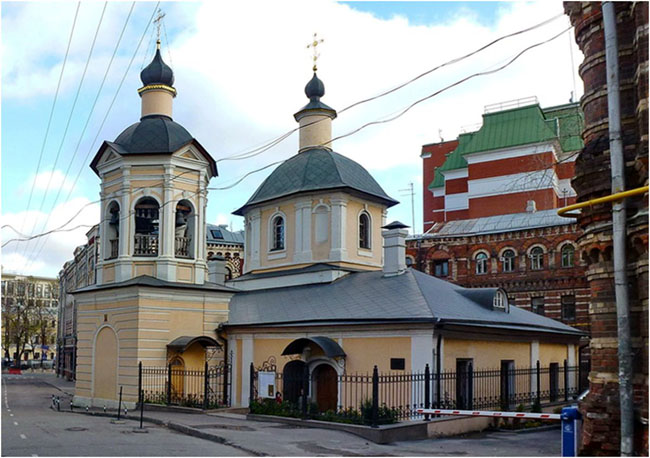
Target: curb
[{"x": 183, "y": 429}]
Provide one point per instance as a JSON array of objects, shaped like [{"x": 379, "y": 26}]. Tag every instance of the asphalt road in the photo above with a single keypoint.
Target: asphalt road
[{"x": 31, "y": 428}]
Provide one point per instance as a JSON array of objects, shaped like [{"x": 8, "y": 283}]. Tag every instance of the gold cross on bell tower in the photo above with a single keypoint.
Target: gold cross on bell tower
[
  {"x": 158, "y": 22},
  {"x": 315, "y": 42}
]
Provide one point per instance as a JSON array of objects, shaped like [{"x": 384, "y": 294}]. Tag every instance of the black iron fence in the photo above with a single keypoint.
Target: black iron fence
[
  {"x": 207, "y": 388},
  {"x": 376, "y": 398}
]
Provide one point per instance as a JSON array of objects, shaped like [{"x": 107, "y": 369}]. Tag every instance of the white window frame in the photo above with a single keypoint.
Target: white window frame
[{"x": 481, "y": 262}]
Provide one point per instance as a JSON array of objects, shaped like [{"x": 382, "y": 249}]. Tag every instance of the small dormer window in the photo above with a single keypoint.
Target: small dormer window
[
  {"x": 278, "y": 234},
  {"x": 500, "y": 301},
  {"x": 364, "y": 231}
]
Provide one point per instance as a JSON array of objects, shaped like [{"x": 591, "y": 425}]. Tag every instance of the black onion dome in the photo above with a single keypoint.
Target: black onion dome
[
  {"x": 315, "y": 88},
  {"x": 157, "y": 72},
  {"x": 153, "y": 134},
  {"x": 318, "y": 169}
]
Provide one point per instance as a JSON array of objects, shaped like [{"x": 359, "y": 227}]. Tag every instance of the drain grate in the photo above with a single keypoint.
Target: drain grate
[{"x": 77, "y": 428}]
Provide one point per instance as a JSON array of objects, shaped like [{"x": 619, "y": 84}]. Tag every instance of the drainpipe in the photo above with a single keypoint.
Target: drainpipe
[{"x": 619, "y": 232}]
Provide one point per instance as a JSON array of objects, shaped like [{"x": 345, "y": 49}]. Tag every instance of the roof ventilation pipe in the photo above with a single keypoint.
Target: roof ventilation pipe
[
  {"x": 394, "y": 248},
  {"x": 217, "y": 270}
]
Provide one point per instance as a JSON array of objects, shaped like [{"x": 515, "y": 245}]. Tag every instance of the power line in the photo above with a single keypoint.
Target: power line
[
  {"x": 378, "y": 122},
  {"x": 74, "y": 104},
  {"x": 83, "y": 131},
  {"x": 90, "y": 149},
  {"x": 279, "y": 139},
  {"x": 49, "y": 121}
]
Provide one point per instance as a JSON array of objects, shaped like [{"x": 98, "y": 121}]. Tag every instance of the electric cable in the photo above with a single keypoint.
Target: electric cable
[
  {"x": 83, "y": 131},
  {"x": 49, "y": 121},
  {"x": 65, "y": 131}
]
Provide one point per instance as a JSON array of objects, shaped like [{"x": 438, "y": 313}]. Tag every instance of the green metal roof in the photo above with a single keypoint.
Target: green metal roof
[
  {"x": 314, "y": 170},
  {"x": 515, "y": 127}
]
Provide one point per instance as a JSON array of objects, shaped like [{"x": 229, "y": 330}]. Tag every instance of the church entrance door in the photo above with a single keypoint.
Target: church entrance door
[
  {"x": 325, "y": 379},
  {"x": 293, "y": 378}
]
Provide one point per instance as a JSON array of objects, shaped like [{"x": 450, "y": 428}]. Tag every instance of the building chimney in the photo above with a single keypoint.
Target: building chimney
[
  {"x": 217, "y": 270},
  {"x": 394, "y": 248}
]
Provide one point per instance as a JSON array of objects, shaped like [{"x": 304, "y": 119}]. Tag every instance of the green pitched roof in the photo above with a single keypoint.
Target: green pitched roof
[
  {"x": 515, "y": 127},
  {"x": 314, "y": 170}
]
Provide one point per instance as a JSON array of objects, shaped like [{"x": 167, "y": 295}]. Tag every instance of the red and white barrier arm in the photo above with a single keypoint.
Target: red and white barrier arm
[{"x": 487, "y": 413}]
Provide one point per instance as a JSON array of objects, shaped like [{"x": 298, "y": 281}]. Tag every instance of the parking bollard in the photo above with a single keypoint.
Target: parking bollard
[{"x": 571, "y": 420}]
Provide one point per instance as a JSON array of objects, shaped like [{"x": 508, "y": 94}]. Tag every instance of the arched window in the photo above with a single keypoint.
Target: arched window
[
  {"x": 568, "y": 252},
  {"x": 184, "y": 230},
  {"x": 481, "y": 263},
  {"x": 537, "y": 258},
  {"x": 508, "y": 260},
  {"x": 146, "y": 227},
  {"x": 364, "y": 231},
  {"x": 113, "y": 231},
  {"x": 278, "y": 233}
]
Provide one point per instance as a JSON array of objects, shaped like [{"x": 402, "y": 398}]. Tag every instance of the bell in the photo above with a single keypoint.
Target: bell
[
  {"x": 180, "y": 219},
  {"x": 115, "y": 218}
]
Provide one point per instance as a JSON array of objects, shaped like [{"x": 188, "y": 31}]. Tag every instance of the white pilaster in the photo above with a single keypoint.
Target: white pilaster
[
  {"x": 303, "y": 231},
  {"x": 571, "y": 362},
  {"x": 246, "y": 360},
  {"x": 123, "y": 265},
  {"x": 253, "y": 261},
  {"x": 534, "y": 357},
  {"x": 422, "y": 347},
  {"x": 166, "y": 269},
  {"x": 338, "y": 251}
]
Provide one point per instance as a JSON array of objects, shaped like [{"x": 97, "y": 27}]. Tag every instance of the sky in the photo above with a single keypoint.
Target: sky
[{"x": 240, "y": 70}]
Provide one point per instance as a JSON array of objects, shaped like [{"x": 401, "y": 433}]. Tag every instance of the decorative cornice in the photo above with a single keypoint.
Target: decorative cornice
[{"x": 157, "y": 86}]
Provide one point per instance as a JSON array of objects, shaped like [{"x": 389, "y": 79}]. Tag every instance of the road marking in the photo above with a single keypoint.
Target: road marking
[
  {"x": 22, "y": 436},
  {"x": 11, "y": 415},
  {"x": 34, "y": 454},
  {"x": 16, "y": 423}
]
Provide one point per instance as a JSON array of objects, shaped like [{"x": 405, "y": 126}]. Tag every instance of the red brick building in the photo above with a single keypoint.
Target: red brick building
[
  {"x": 490, "y": 210},
  {"x": 601, "y": 429}
]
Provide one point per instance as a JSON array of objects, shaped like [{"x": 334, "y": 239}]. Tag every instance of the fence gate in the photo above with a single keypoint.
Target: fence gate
[{"x": 209, "y": 388}]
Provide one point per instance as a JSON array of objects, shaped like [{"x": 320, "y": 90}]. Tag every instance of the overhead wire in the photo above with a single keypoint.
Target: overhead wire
[
  {"x": 49, "y": 121},
  {"x": 83, "y": 131},
  {"x": 277, "y": 140},
  {"x": 363, "y": 126},
  {"x": 90, "y": 149},
  {"x": 67, "y": 126}
]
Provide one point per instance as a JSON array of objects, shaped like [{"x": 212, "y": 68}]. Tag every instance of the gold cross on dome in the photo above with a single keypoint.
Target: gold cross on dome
[
  {"x": 158, "y": 21},
  {"x": 315, "y": 42}
]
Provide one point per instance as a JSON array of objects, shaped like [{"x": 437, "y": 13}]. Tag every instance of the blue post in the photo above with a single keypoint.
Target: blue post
[{"x": 571, "y": 420}]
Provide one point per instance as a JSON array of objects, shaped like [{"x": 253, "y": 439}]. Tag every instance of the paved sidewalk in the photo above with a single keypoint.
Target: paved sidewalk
[{"x": 277, "y": 439}]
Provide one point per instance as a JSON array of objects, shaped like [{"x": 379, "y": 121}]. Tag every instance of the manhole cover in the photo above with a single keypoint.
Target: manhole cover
[{"x": 77, "y": 428}]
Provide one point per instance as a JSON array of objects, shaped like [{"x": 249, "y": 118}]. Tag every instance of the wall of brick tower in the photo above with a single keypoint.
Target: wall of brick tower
[{"x": 601, "y": 429}]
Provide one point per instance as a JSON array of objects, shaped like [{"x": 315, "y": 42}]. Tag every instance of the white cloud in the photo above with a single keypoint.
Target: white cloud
[
  {"x": 46, "y": 255},
  {"x": 240, "y": 77}
]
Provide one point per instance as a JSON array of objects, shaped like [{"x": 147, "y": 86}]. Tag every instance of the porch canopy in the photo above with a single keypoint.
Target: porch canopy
[
  {"x": 329, "y": 346},
  {"x": 182, "y": 343}
]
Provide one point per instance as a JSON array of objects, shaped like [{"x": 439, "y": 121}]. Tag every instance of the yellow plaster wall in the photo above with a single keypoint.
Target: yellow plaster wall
[
  {"x": 108, "y": 274},
  {"x": 321, "y": 251},
  {"x": 105, "y": 368},
  {"x": 354, "y": 207},
  {"x": 289, "y": 211},
  {"x": 184, "y": 273},
  {"x": 143, "y": 268},
  {"x": 486, "y": 354},
  {"x": 552, "y": 353},
  {"x": 364, "y": 353},
  {"x": 112, "y": 176},
  {"x": 146, "y": 170}
]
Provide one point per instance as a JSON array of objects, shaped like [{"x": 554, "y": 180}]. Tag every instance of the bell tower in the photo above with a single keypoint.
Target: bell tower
[{"x": 154, "y": 180}]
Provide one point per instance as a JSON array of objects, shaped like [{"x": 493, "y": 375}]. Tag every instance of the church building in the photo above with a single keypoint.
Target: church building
[{"x": 325, "y": 290}]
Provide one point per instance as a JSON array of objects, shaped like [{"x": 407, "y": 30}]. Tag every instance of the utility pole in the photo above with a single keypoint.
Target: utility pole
[{"x": 411, "y": 192}]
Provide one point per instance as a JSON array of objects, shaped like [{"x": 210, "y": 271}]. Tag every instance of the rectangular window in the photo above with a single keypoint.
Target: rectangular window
[
  {"x": 569, "y": 307},
  {"x": 441, "y": 268},
  {"x": 537, "y": 305},
  {"x": 397, "y": 364}
]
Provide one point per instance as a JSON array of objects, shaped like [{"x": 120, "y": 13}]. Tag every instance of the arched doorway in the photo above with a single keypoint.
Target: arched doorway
[
  {"x": 105, "y": 364},
  {"x": 326, "y": 386},
  {"x": 178, "y": 379},
  {"x": 293, "y": 378}
]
